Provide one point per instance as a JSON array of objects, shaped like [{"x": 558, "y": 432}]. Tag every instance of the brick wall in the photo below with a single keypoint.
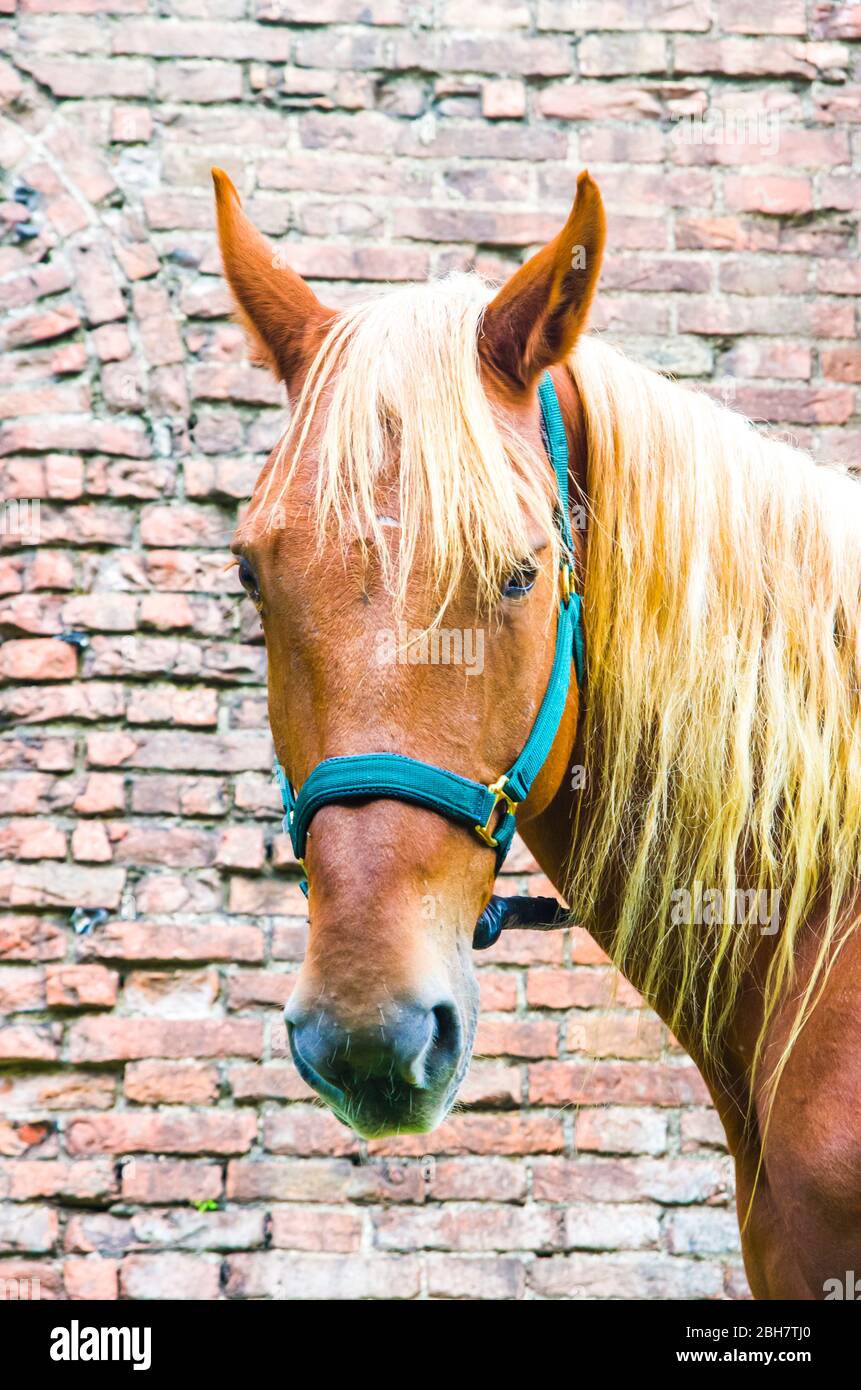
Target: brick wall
[{"x": 144, "y": 1060}]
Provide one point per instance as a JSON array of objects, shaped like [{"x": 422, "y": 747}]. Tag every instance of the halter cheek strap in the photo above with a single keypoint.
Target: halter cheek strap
[{"x": 368, "y": 776}]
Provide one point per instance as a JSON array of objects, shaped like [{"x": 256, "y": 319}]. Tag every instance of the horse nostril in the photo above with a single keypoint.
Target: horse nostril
[
  {"x": 424, "y": 1043},
  {"x": 309, "y": 1047},
  {"x": 447, "y": 1033}
]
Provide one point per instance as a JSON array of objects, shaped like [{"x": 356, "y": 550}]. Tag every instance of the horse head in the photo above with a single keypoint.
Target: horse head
[{"x": 402, "y": 547}]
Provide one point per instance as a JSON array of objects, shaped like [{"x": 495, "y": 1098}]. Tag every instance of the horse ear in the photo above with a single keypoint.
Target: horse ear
[
  {"x": 536, "y": 317},
  {"x": 280, "y": 313}
]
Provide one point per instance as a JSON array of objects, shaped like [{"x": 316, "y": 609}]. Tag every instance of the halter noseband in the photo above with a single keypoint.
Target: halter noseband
[{"x": 368, "y": 776}]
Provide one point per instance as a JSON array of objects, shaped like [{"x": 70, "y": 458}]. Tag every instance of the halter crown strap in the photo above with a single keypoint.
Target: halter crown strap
[{"x": 367, "y": 776}]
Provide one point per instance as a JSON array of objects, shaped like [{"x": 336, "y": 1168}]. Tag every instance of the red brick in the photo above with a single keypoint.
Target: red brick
[
  {"x": 771, "y": 195},
  {"x": 517, "y": 1038},
  {"x": 93, "y": 1279},
  {"x": 743, "y": 57},
  {"x": 466, "y": 1226},
  {"x": 170, "y": 1276},
  {"x": 32, "y": 840},
  {"x": 474, "y": 1277},
  {"x": 170, "y": 1083},
  {"x": 571, "y": 989},
  {"x": 504, "y": 99},
  {"x": 142, "y": 941},
  {"x": 151, "y": 1181},
  {"x": 36, "y": 1140},
  {"x": 32, "y": 1280},
  {"x": 617, "y": 1130},
  {"x": 310, "y": 1228},
  {"x": 90, "y": 843},
  {"x": 60, "y": 886},
  {"x": 842, "y": 363},
  {"x": 90, "y": 1180},
  {"x": 241, "y": 847},
  {"x": 598, "y": 1276},
  {"x": 213, "y": 1132},
  {"x": 272, "y": 1274},
  {"x": 30, "y": 1042},
  {"x": 179, "y": 994},
  {"x": 37, "y": 661},
  {"x": 301, "y": 1129},
  {"x": 80, "y": 986},
  {"x": 275, "y": 1081},
  {"x": 702, "y": 1129},
  {"x": 323, "y": 1180},
  {"x": 126, "y": 1039},
  {"x": 615, "y": 1034},
  {"x": 498, "y": 990},
  {"x": 596, "y": 1227},
  {"x": 525, "y": 1132},
  {"x": 614, "y": 56},
  {"x": 623, "y": 1083},
  {"x": 255, "y": 989},
  {"x": 79, "y": 77},
  {"x": 61, "y": 1090},
  {"x": 27, "y": 1230},
  {"x": 477, "y": 1180},
  {"x": 491, "y": 1084},
  {"x": 103, "y": 792},
  {"x": 41, "y": 326}
]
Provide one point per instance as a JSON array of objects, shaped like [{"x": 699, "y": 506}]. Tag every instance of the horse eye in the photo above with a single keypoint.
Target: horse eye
[
  {"x": 248, "y": 581},
  {"x": 520, "y": 582}
]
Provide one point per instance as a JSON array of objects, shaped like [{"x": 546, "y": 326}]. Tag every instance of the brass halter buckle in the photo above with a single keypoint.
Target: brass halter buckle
[
  {"x": 567, "y": 581},
  {"x": 498, "y": 792}
]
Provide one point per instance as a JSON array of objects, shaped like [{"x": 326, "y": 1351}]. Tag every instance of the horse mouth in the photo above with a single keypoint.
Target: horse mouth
[{"x": 378, "y": 1114}]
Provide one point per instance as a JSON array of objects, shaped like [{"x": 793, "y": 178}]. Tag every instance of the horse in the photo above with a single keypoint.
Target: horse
[{"x": 716, "y": 729}]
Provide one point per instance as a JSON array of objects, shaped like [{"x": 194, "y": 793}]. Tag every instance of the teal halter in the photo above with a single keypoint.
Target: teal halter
[{"x": 369, "y": 776}]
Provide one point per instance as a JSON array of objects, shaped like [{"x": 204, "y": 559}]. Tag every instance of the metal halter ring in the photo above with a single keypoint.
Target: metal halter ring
[{"x": 497, "y": 791}]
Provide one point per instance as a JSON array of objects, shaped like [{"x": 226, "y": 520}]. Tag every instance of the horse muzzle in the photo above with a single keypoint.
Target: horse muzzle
[{"x": 394, "y": 1077}]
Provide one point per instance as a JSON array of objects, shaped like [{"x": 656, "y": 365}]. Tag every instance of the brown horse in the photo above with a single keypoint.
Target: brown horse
[{"x": 711, "y": 844}]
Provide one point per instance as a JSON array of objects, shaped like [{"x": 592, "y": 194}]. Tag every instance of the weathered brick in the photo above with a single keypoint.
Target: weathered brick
[
  {"x": 310, "y": 1228},
  {"x": 473, "y": 1277},
  {"x": 605, "y": 1227},
  {"x": 93, "y": 1279},
  {"x": 618, "y": 1130},
  {"x": 625, "y": 1083},
  {"x": 30, "y": 1043},
  {"x": 153, "y": 1181},
  {"x": 213, "y": 1132},
  {"x": 27, "y": 1229},
  {"x": 89, "y": 1180},
  {"x": 637, "y": 1276},
  {"x": 33, "y": 1092},
  {"x": 700, "y": 1232},
  {"x": 291, "y": 1276},
  {"x": 126, "y": 1039},
  {"x": 37, "y": 661},
  {"x": 60, "y": 885},
  {"x": 153, "y": 942},
  {"x": 171, "y": 1083},
  {"x": 80, "y": 986},
  {"x": 170, "y": 1276}
]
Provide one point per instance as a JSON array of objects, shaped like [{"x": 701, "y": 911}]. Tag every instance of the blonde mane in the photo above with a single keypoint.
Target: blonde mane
[
  {"x": 721, "y": 722},
  {"x": 722, "y": 725}
]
